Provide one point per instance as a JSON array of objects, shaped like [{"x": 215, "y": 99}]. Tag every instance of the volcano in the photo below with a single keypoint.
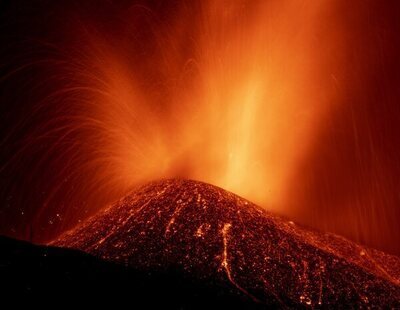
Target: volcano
[{"x": 215, "y": 236}]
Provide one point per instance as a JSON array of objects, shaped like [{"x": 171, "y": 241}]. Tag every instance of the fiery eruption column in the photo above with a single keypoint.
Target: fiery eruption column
[
  {"x": 233, "y": 93},
  {"x": 221, "y": 111}
]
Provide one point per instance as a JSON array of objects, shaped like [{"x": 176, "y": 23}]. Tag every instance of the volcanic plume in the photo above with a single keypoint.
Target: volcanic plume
[
  {"x": 217, "y": 236},
  {"x": 293, "y": 105}
]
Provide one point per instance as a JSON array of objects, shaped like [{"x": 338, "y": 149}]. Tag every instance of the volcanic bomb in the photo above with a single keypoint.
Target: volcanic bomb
[{"x": 214, "y": 235}]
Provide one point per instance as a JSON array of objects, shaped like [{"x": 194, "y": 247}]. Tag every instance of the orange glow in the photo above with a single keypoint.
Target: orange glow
[
  {"x": 238, "y": 112},
  {"x": 290, "y": 104}
]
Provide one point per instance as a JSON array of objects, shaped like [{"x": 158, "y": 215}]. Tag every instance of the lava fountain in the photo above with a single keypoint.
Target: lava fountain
[
  {"x": 220, "y": 108},
  {"x": 232, "y": 93}
]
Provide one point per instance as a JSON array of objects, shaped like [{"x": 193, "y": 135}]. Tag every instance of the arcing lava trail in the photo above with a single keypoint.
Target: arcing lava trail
[{"x": 216, "y": 236}]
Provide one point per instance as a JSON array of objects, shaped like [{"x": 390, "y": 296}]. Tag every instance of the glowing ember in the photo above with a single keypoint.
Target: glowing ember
[
  {"x": 291, "y": 104},
  {"x": 210, "y": 94},
  {"x": 213, "y": 234}
]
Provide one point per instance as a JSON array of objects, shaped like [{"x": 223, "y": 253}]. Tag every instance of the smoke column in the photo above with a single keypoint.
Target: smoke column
[{"x": 290, "y": 104}]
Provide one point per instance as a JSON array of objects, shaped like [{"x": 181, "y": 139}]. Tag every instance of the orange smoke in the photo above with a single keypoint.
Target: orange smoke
[
  {"x": 237, "y": 107},
  {"x": 291, "y": 104}
]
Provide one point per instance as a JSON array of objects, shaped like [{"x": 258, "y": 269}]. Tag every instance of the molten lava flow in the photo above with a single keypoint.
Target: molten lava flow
[
  {"x": 290, "y": 104},
  {"x": 255, "y": 254}
]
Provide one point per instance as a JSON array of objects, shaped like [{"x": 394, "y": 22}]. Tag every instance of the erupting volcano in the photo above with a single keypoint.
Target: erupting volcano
[
  {"x": 215, "y": 235},
  {"x": 286, "y": 113}
]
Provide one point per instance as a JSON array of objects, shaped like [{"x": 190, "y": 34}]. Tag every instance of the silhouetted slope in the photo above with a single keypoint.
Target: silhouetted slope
[
  {"x": 221, "y": 239},
  {"x": 51, "y": 277}
]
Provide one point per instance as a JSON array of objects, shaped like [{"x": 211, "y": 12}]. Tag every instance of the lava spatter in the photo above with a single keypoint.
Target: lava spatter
[{"x": 212, "y": 234}]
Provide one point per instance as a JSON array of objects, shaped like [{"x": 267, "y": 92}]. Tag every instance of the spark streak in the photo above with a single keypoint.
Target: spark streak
[{"x": 225, "y": 260}]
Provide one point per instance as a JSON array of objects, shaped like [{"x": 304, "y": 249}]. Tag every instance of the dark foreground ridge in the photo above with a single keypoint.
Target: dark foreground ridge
[
  {"x": 236, "y": 250},
  {"x": 51, "y": 278}
]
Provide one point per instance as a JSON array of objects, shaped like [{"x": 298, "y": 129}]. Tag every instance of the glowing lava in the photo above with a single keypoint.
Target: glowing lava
[
  {"x": 215, "y": 235},
  {"x": 291, "y": 104},
  {"x": 210, "y": 92}
]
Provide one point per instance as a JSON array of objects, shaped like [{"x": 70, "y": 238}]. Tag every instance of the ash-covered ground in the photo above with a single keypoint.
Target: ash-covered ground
[{"x": 220, "y": 239}]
